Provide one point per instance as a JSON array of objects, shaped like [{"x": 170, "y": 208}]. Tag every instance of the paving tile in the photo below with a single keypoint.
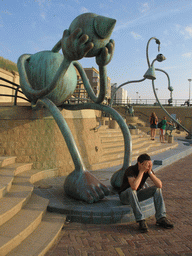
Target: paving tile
[{"x": 125, "y": 239}]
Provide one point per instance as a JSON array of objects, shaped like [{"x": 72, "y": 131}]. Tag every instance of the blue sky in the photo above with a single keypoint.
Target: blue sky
[{"x": 28, "y": 26}]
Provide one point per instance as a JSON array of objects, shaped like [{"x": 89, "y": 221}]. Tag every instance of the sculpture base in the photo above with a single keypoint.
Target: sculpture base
[{"x": 107, "y": 211}]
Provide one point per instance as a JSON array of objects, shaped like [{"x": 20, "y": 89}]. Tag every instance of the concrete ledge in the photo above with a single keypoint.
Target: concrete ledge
[
  {"x": 107, "y": 211},
  {"x": 26, "y": 112}
]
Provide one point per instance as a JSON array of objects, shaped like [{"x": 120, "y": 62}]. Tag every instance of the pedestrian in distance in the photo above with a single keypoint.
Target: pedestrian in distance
[
  {"x": 162, "y": 127},
  {"x": 153, "y": 125},
  {"x": 132, "y": 192}
]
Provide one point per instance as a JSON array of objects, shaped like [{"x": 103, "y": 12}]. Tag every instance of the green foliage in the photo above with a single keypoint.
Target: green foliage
[{"x": 8, "y": 65}]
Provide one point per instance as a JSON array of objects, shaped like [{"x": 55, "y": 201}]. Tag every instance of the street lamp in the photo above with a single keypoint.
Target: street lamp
[
  {"x": 136, "y": 96},
  {"x": 189, "y": 90}
]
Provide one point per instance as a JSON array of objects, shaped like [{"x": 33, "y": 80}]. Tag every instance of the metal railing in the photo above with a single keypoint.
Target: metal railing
[
  {"x": 151, "y": 102},
  {"x": 15, "y": 87},
  {"x": 80, "y": 96}
]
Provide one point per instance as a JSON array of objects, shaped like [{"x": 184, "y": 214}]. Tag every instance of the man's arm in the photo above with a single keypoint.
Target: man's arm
[
  {"x": 154, "y": 178},
  {"x": 135, "y": 182}
]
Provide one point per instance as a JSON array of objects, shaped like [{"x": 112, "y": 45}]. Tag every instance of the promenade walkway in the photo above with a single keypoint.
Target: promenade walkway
[{"x": 125, "y": 239}]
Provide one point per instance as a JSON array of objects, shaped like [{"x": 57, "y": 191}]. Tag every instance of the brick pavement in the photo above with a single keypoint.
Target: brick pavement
[{"x": 100, "y": 240}]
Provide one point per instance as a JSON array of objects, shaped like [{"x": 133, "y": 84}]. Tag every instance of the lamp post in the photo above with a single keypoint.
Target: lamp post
[{"x": 189, "y": 90}]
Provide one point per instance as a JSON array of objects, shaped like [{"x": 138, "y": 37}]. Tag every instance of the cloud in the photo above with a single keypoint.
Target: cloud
[
  {"x": 43, "y": 15},
  {"x": 185, "y": 31},
  {"x": 84, "y": 10},
  {"x": 166, "y": 43},
  {"x": 43, "y": 3},
  {"x": 135, "y": 35},
  {"x": 144, "y": 7},
  {"x": 187, "y": 55},
  {"x": 188, "y": 30},
  {"x": 149, "y": 14}
]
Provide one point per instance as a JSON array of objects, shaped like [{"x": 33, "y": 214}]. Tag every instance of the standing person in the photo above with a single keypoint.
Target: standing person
[
  {"x": 153, "y": 124},
  {"x": 132, "y": 192},
  {"x": 164, "y": 123}
]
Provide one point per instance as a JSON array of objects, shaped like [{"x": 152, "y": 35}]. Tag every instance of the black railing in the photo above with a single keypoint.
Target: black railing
[
  {"x": 14, "y": 87},
  {"x": 151, "y": 102},
  {"x": 80, "y": 96}
]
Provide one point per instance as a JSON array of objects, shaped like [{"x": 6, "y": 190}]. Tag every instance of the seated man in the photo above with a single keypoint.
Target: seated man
[{"x": 132, "y": 192}]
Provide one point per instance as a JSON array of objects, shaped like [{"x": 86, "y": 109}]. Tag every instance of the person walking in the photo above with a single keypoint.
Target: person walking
[
  {"x": 164, "y": 123},
  {"x": 153, "y": 125},
  {"x": 132, "y": 192}
]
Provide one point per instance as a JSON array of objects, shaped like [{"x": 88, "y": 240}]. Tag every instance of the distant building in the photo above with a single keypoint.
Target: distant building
[
  {"x": 120, "y": 96},
  {"x": 94, "y": 79}
]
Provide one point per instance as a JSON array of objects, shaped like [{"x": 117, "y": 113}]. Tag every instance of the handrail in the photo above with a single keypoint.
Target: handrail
[
  {"x": 1, "y": 78},
  {"x": 7, "y": 86},
  {"x": 15, "y": 96}
]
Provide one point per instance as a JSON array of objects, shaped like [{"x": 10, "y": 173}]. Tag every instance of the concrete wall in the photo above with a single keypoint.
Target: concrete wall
[{"x": 33, "y": 136}]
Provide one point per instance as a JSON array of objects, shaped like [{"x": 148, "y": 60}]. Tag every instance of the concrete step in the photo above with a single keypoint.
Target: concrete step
[
  {"x": 7, "y": 160},
  {"x": 15, "y": 199},
  {"x": 22, "y": 231},
  {"x": 112, "y": 139},
  {"x": 35, "y": 175},
  {"x": 152, "y": 150},
  {"x": 145, "y": 143},
  {"x": 6, "y": 179},
  {"x": 112, "y": 144},
  {"x": 7, "y": 174},
  {"x": 14, "y": 231},
  {"x": 18, "y": 168},
  {"x": 141, "y": 147},
  {"x": 41, "y": 240},
  {"x": 112, "y": 147},
  {"x": 119, "y": 138}
]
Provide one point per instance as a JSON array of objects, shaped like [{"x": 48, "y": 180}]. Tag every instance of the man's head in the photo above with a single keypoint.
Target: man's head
[
  {"x": 144, "y": 162},
  {"x": 143, "y": 157}
]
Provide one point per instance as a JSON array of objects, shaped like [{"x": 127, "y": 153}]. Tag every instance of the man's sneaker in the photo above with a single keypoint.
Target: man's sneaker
[
  {"x": 143, "y": 226},
  {"x": 164, "y": 222}
]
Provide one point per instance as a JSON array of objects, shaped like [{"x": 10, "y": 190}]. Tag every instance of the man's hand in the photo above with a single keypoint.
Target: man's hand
[
  {"x": 150, "y": 166},
  {"x": 75, "y": 45},
  {"x": 145, "y": 167},
  {"x": 106, "y": 54}
]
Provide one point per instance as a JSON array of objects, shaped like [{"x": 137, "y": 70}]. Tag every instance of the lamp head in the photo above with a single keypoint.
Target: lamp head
[
  {"x": 160, "y": 57},
  {"x": 150, "y": 74}
]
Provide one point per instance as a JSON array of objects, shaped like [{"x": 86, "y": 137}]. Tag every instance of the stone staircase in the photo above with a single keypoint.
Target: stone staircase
[
  {"x": 113, "y": 147},
  {"x": 26, "y": 228}
]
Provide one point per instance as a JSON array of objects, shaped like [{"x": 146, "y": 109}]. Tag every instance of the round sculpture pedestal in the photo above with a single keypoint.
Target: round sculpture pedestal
[{"x": 109, "y": 210}]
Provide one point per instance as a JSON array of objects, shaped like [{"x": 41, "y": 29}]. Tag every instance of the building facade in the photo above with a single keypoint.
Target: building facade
[{"x": 120, "y": 95}]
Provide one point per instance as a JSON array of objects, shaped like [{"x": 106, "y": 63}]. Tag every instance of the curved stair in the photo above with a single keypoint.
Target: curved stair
[
  {"x": 113, "y": 147},
  {"x": 26, "y": 228}
]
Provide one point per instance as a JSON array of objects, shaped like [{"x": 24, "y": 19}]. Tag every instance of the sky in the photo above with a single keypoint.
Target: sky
[{"x": 28, "y": 26}]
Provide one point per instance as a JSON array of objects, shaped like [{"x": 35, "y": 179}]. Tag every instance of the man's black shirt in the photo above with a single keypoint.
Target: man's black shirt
[{"x": 132, "y": 171}]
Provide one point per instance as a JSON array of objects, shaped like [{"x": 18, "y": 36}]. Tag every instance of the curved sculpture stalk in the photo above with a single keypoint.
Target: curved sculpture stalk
[{"x": 116, "y": 179}]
